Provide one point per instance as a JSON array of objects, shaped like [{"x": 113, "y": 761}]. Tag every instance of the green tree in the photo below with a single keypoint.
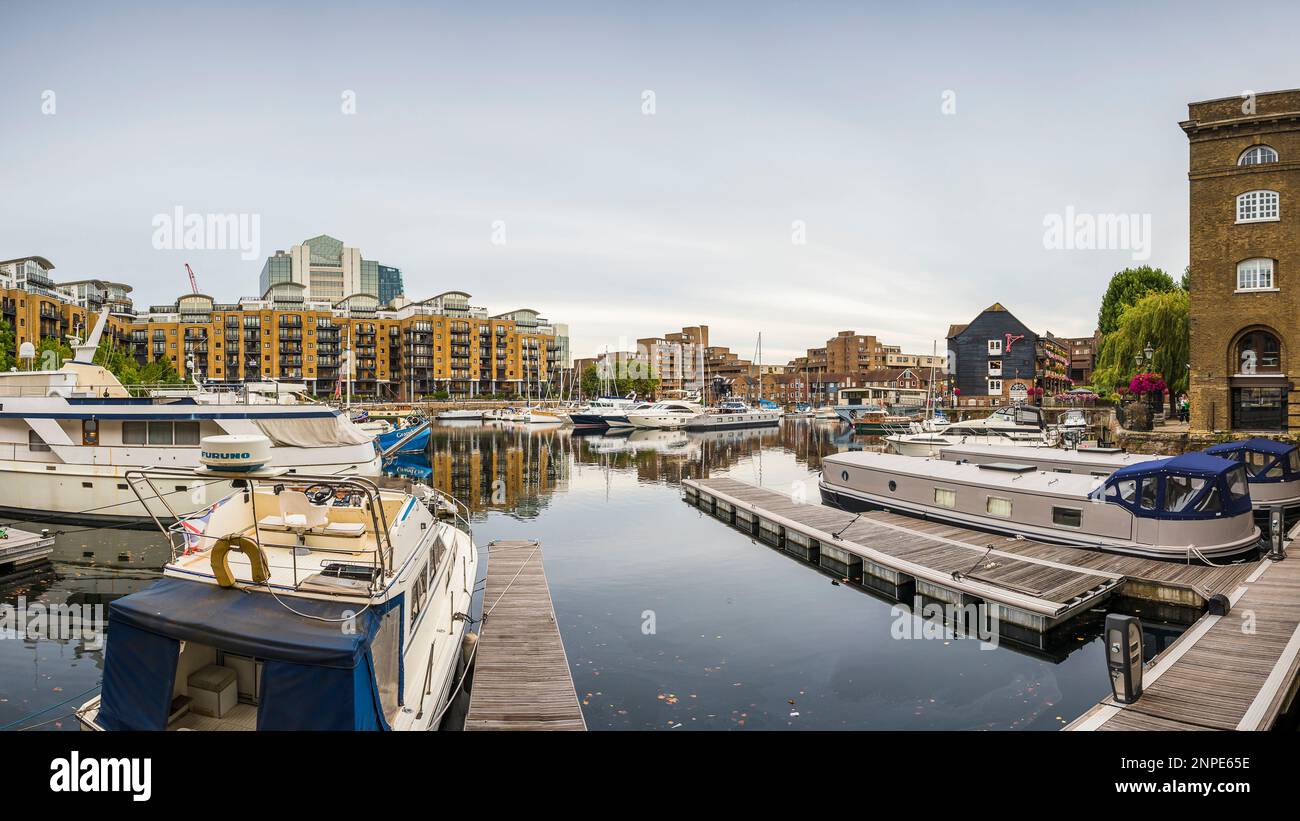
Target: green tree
[
  {"x": 1126, "y": 288},
  {"x": 1159, "y": 319},
  {"x": 52, "y": 352},
  {"x": 8, "y": 346}
]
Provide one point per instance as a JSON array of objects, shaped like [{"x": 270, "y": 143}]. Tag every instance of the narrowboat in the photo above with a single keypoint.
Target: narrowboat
[
  {"x": 1189, "y": 507},
  {"x": 733, "y": 414}
]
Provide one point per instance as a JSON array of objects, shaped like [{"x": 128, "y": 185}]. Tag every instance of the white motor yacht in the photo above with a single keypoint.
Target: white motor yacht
[
  {"x": 1016, "y": 425},
  {"x": 734, "y": 414},
  {"x": 598, "y": 412},
  {"x": 296, "y": 602},
  {"x": 68, "y": 437},
  {"x": 664, "y": 415}
]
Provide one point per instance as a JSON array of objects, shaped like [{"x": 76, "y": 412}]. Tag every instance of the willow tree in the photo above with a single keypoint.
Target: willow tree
[
  {"x": 1159, "y": 319},
  {"x": 1125, "y": 289}
]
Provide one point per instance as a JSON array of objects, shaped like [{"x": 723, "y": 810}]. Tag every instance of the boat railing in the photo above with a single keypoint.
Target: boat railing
[{"x": 181, "y": 532}]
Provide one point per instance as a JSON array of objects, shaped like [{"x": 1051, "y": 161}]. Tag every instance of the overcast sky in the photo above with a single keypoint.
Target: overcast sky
[{"x": 916, "y": 149}]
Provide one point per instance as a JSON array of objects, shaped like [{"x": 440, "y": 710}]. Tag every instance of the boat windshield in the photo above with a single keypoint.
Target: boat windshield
[{"x": 1190, "y": 486}]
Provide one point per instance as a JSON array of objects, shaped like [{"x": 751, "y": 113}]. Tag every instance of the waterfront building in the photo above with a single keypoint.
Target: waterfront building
[
  {"x": 1051, "y": 365},
  {"x": 1083, "y": 356},
  {"x": 677, "y": 359},
  {"x": 992, "y": 359},
  {"x": 37, "y": 308},
  {"x": 1245, "y": 310},
  {"x": 418, "y": 349},
  {"x": 96, "y": 293},
  {"x": 390, "y": 284}
]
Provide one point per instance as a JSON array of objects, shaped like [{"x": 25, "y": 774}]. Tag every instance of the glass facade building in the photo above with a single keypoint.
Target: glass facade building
[{"x": 390, "y": 284}]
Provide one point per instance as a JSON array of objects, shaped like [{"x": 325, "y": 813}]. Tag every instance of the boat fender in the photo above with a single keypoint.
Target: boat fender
[
  {"x": 1219, "y": 605},
  {"x": 245, "y": 545}
]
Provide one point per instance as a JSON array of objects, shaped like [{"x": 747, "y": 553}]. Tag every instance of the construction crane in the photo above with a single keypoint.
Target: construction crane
[{"x": 194, "y": 283}]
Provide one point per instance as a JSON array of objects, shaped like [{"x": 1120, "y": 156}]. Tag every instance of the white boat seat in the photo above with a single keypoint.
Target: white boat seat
[
  {"x": 349, "y": 529},
  {"x": 272, "y": 523}
]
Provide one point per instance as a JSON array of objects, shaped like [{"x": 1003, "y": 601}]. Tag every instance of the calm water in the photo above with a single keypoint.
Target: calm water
[{"x": 744, "y": 635}]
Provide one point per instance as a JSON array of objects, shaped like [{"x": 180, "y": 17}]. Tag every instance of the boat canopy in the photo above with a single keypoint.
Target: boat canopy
[
  {"x": 316, "y": 675},
  {"x": 1190, "y": 486},
  {"x": 1266, "y": 460}
]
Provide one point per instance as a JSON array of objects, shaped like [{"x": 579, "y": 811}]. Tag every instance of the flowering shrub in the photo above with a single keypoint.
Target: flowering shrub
[{"x": 1145, "y": 383}]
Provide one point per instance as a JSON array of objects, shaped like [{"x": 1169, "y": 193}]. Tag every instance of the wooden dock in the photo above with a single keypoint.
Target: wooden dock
[
  {"x": 1031, "y": 584},
  {"x": 21, "y": 547},
  {"x": 521, "y": 673},
  {"x": 1230, "y": 670},
  {"x": 1235, "y": 671}
]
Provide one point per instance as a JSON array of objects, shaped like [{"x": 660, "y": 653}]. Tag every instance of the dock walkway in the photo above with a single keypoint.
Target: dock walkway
[
  {"x": 1227, "y": 672},
  {"x": 1033, "y": 584},
  {"x": 21, "y": 547},
  {"x": 1236, "y": 670},
  {"x": 521, "y": 673}
]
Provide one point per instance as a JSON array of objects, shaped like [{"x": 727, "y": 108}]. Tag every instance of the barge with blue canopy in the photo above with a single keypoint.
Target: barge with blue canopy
[
  {"x": 298, "y": 602},
  {"x": 1190, "y": 507}
]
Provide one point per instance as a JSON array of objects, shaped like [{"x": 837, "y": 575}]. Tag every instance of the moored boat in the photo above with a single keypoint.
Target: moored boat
[
  {"x": 297, "y": 602},
  {"x": 1017, "y": 425},
  {"x": 733, "y": 414},
  {"x": 664, "y": 415},
  {"x": 1189, "y": 507},
  {"x": 460, "y": 414}
]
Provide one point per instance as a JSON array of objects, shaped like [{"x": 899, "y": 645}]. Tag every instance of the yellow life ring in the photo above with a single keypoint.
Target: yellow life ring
[{"x": 245, "y": 545}]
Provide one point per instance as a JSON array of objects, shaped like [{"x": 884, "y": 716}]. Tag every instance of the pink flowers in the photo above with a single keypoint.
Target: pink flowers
[{"x": 1144, "y": 383}]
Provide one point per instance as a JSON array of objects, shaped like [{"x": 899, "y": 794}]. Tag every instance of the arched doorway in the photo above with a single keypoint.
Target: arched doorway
[{"x": 1258, "y": 382}]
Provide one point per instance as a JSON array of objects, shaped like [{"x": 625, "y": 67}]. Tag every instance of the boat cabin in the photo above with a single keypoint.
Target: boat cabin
[{"x": 1190, "y": 486}]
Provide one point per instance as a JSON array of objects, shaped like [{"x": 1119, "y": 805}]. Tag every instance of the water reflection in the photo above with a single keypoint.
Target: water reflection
[{"x": 671, "y": 620}]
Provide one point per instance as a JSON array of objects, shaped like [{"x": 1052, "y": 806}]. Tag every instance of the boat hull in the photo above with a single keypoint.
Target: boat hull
[{"x": 726, "y": 421}]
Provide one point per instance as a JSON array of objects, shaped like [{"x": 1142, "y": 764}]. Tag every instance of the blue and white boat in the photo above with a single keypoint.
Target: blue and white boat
[
  {"x": 68, "y": 437},
  {"x": 599, "y": 412},
  {"x": 295, "y": 603}
]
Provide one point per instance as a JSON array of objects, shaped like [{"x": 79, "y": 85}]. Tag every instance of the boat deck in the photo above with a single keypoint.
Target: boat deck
[
  {"x": 22, "y": 547},
  {"x": 1033, "y": 584},
  {"x": 521, "y": 673}
]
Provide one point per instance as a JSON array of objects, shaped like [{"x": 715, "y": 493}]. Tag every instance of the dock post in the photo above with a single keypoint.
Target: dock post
[
  {"x": 1276, "y": 533},
  {"x": 1124, "y": 657}
]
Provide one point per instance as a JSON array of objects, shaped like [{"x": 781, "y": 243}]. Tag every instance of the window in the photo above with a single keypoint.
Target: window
[
  {"x": 418, "y": 590},
  {"x": 187, "y": 433},
  {"x": 90, "y": 432},
  {"x": 995, "y": 347},
  {"x": 1124, "y": 491},
  {"x": 1150, "y": 489},
  {"x": 995, "y": 367},
  {"x": 944, "y": 497},
  {"x": 1067, "y": 516},
  {"x": 1211, "y": 502},
  {"x": 35, "y": 443},
  {"x": 1257, "y": 155},
  {"x": 995, "y": 386},
  {"x": 135, "y": 433},
  {"x": 1237, "y": 488},
  {"x": 1180, "y": 491},
  {"x": 1255, "y": 274},
  {"x": 160, "y": 433},
  {"x": 997, "y": 506},
  {"x": 1259, "y": 351},
  {"x": 1257, "y": 206}
]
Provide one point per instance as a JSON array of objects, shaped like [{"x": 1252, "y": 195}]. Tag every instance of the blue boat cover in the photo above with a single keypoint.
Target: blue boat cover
[
  {"x": 1192, "y": 464},
  {"x": 1257, "y": 444},
  {"x": 316, "y": 675}
]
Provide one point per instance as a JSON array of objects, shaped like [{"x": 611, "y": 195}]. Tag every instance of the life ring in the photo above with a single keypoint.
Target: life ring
[{"x": 245, "y": 545}]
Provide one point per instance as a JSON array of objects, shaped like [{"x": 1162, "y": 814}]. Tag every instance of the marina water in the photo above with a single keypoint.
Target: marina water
[{"x": 671, "y": 620}]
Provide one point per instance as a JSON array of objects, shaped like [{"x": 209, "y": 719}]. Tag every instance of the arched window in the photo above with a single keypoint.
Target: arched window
[
  {"x": 1257, "y": 155},
  {"x": 1255, "y": 275},
  {"x": 1258, "y": 206},
  {"x": 1258, "y": 352}
]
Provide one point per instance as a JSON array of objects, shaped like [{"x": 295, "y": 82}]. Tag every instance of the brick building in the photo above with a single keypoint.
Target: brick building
[{"x": 1244, "y": 173}]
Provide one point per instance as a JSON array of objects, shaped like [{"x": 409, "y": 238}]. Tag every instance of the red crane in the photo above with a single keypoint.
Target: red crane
[{"x": 194, "y": 283}]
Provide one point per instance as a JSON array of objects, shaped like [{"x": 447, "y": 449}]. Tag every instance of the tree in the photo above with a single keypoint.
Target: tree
[
  {"x": 1159, "y": 319},
  {"x": 8, "y": 346},
  {"x": 1126, "y": 288}
]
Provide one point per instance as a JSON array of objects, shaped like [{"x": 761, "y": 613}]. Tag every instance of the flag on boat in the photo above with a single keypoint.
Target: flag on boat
[{"x": 195, "y": 525}]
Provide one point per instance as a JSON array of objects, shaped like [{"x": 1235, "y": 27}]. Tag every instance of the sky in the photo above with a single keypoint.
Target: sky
[{"x": 794, "y": 169}]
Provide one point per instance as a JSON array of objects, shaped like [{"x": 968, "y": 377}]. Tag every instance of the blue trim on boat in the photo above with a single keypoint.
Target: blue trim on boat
[{"x": 162, "y": 415}]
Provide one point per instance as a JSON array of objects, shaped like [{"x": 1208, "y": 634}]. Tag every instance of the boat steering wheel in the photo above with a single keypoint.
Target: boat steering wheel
[{"x": 319, "y": 493}]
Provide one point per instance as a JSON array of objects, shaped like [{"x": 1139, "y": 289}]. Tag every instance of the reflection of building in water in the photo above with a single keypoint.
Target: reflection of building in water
[{"x": 491, "y": 468}]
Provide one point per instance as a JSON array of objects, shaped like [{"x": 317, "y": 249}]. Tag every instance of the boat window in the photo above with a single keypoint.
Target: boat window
[
  {"x": 160, "y": 433},
  {"x": 418, "y": 590},
  {"x": 1211, "y": 503},
  {"x": 1257, "y": 464},
  {"x": 944, "y": 497},
  {"x": 90, "y": 432},
  {"x": 1125, "y": 491},
  {"x": 1067, "y": 516},
  {"x": 1180, "y": 491},
  {"x": 135, "y": 433},
  {"x": 187, "y": 433},
  {"x": 1150, "y": 489},
  {"x": 1293, "y": 461},
  {"x": 1237, "y": 488},
  {"x": 997, "y": 506},
  {"x": 35, "y": 443}
]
